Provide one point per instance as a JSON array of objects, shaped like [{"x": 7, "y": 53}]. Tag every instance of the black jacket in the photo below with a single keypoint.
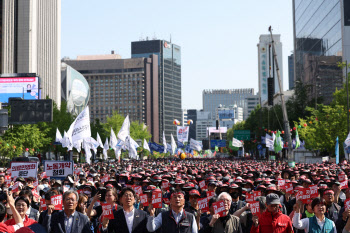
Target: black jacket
[
  {"x": 119, "y": 225},
  {"x": 55, "y": 223}
]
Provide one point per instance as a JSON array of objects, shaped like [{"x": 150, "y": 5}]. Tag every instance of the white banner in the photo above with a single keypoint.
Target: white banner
[
  {"x": 24, "y": 169},
  {"x": 58, "y": 168},
  {"x": 80, "y": 128},
  {"x": 196, "y": 145},
  {"x": 182, "y": 133}
]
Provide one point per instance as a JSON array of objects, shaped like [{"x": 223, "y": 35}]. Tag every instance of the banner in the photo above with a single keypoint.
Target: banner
[
  {"x": 203, "y": 204},
  {"x": 182, "y": 133},
  {"x": 107, "y": 211},
  {"x": 58, "y": 168},
  {"x": 196, "y": 145},
  {"x": 157, "y": 199},
  {"x": 24, "y": 169},
  {"x": 156, "y": 147}
]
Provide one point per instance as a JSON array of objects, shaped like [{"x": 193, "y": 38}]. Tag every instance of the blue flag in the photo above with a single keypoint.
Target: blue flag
[{"x": 337, "y": 151}]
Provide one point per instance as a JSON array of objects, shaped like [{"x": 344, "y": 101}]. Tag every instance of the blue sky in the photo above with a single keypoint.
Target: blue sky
[{"x": 218, "y": 38}]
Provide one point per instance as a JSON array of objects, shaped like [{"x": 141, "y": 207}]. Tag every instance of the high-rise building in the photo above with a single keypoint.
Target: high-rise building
[
  {"x": 267, "y": 67},
  {"x": 31, "y": 42},
  {"x": 203, "y": 122},
  {"x": 184, "y": 117},
  {"x": 129, "y": 86},
  {"x": 212, "y": 99},
  {"x": 321, "y": 39},
  {"x": 252, "y": 102},
  {"x": 192, "y": 115},
  {"x": 169, "y": 71},
  {"x": 291, "y": 71},
  {"x": 228, "y": 115}
]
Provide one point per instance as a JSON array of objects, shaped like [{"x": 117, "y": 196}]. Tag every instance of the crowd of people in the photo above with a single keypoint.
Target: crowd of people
[{"x": 187, "y": 196}]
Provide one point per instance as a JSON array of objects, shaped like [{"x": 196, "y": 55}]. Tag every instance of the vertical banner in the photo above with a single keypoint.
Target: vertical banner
[{"x": 182, "y": 133}]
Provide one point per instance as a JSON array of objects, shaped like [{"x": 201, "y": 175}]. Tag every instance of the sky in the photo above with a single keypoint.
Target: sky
[{"x": 218, "y": 39}]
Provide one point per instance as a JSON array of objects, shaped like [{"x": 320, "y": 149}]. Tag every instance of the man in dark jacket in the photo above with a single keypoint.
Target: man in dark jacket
[
  {"x": 128, "y": 219},
  {"x": 332, "y": 209},
  {"x": 175, "y": 220},
  {"x": 68, "y": 220}
]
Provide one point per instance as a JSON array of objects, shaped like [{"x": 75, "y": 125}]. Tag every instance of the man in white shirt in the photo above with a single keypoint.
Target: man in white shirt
[{"x": 128, "y": 219}]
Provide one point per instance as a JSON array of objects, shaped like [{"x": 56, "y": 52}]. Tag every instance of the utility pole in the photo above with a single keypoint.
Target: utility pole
[
  {"x": 284, "y": 110},
  {"x": 347, "y": 93}
]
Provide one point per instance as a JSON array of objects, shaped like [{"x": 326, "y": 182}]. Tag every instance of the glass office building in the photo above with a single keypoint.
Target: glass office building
[
  {"x": 169, "y": 80},
  {"x": 321, "y": 40}
]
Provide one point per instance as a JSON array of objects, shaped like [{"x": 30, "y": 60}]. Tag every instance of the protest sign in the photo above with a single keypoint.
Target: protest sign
[
  {"x": 313, "y": 191},
  {"x": 137, "y": 189},
  {"x": 144, "y": 199},
  {"x": 157, "y": 198},
  {"x": 43, "y": 204},
  {"x": 249, "y": 197},
  {"x": 256, "y": 194},
  {"x": 57, "y": 202},
  {"x": 166, "y": 201},
  {"x": 203, "y": 204},
  {"x": 165, "y": 185},
  {"x": 202, "y": 185},
  {"x": 58, "y": 168},
  {"x": 16, "y": 186},
  {"x": 107, "y": 211},
  {"x": 281, "y": 182},
  {"x": 342, "y": 177},
  {"x": 35, "y": 193},
  {"x": 219, "y": 208},
  {"x": 255, "y": 208},
  {"x": 24, "y": 169},
  {"x": 8, "y": 180},
  {"x": 347, "y": 204},
  {"x": 289, "y": 188},
  {"x": 344, "y": 184},
  {"x": 210, "y": 194},
  {"x": 105, "y": 178}
]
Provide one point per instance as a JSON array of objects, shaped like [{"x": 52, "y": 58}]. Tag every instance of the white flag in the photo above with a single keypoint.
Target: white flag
[
  {"x": 80, "y": 128},
  {"x": 118, "y": 149},
  {"x": 125, "y": 129},
  {"x": 145, "y": 145},
  {"x": 113, "y": 140},
  {"x": 196, "y": 145},
  {"x": 98, "y": 139},
  {"x": 77, "y": 145},
  {"x": 87, "y": 153},
  {"x": 236, "y": 143},
  {"x": 132, "y": 149},
  {"x": 92, "y": 143},
  {"x": 269, "y": 140},
  {"x": 347, "y": 140},
  {"x": 105, "y": 149},
  {"x": 66, "y": 142},
  {"x": 173, "y": 144},
  {"x": 164, "y": 143},
  {"x": 58, "y": 136}
]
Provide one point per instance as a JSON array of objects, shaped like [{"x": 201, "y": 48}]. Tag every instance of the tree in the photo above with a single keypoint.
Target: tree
[{"x": 137, "y": 130}]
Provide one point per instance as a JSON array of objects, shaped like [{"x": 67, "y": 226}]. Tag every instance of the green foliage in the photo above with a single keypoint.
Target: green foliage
[{"x": 137, "y": 130}]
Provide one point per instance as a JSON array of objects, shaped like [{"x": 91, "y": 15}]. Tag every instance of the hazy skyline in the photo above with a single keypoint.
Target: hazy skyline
[{"x": 218, "y": 41}]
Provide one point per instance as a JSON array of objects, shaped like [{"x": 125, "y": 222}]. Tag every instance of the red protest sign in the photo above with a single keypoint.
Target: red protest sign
[
  {"x": 105, "y": 178},
  {"x": 144, "y": 199},
  {"x": 289, "y": 188},
  {"x": 202, "y": 185},
  {"x": 344, "y": 184},
  {"x": 8, "y": 180},
  {"x": 219, "y": 208},
  {"x": 137, "y": 189},
  {"x": 166, "y": 201},
  {"x": 341, "y": 177},
  {"x": 255, "y": 208},
  {"x": 57, "y": 202},
  {"x": 165, "y": 185},
  {"x": 203, "y": 204},
  {"x": 90, "y": 179},
  {"x": 281, "y": 182},
  {"x": 35, "y": 193},
  {"x": 107, "y": 211},
  {"x": 15, "y": 187},
  {"x": 249, "y": 197},
  {"x": 43, "y": 204},
  {"x": 313, "y": 191},
  {"x": 256, "y": 194},
  {"x": 36, "y": 183},
  {"x": 347, "y": 204},
  {"x": 157, "y": 198},
  {"x": 210, "y": 194},
  {"x": 299, "y": 195}
]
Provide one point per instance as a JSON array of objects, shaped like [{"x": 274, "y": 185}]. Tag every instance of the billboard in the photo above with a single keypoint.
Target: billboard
[
  {"x": 226, "y": 114},
  {"x": 23, "y": 87}
]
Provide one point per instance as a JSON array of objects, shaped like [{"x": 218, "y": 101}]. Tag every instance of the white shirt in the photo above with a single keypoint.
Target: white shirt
[
  {"x": 303, "y": 224},
  {"x": 129, "y": 217}
]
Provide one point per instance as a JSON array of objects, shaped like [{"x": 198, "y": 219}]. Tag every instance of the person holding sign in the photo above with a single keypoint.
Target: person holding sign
[
  {"x": 128, "y": 219},
  {"x": 272, "y": 220},
  {"x": 317, "y": 223},
  {"x": 174, "y": 220},
  {"x": 67, "y": 220},
  {"x": 227, "y": 223},
  {"x": 17, "y": 219},
  {"x": 22, "y": 205}
]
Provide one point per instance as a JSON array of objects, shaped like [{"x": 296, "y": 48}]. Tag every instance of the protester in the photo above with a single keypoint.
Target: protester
[
  {"x": 15, "y": 223},
  {"x": 317, "y": 223},
  {"x": 22, "y": 206}
]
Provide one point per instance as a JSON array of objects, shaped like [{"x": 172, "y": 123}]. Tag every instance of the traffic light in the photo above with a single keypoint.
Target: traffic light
[{"x": 270, "y": 91}]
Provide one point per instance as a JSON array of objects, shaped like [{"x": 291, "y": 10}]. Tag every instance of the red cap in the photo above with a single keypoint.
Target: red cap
[{"x": 194, "y": 192}]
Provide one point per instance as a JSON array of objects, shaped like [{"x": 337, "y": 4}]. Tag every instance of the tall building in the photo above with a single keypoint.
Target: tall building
[
  {"x": 31, "y": 42},
  {"x": 212, "y": 99},
  {"x": 321, "y": 39},
  {"x": 291, "y": 71},
  {"x": 192, "y": 114},
  {"x": 184, "y": 117},
  {"x": 203, "y": 122},
  {"x": 267, "y": 67},
  {"x": 129, "y": 86},
  {"x": 169, "y": 71},
  {"x": 252, "y": 102},
  {"x": 228, "y": 115}
]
